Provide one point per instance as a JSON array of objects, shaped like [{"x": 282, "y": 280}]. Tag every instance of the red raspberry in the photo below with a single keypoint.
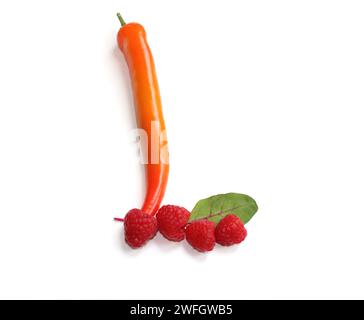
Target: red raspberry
[
  {"x": 172, "y": 221},
  {"x": 230, "y": 230},
  {"x": 139, "y": 228},
  {"x": 200, "y": 235}
]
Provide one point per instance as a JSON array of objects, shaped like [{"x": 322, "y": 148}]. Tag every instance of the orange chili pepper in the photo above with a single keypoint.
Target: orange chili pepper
[{"x": 133, "y": 44}]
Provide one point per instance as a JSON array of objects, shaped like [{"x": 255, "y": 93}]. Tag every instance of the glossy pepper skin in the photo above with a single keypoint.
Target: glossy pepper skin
[{"x": 133, "y": 44}]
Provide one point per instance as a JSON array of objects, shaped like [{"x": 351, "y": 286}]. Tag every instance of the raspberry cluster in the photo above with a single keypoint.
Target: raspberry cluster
[
  {"x": 202, "y": 234},
  {"x": 172, "y": 223}
]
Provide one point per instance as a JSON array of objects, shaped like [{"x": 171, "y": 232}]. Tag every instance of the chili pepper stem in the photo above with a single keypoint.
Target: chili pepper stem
[
  {"x": 121, "y": 19},
  {"x": 119, "y": 219}
]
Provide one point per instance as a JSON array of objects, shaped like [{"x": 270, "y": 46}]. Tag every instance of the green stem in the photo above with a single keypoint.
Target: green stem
[{"x": 121, "y": 19}]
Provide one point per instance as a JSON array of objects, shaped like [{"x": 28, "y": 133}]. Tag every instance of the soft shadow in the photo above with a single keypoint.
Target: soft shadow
[
  {"x": 198, "y": 256},
  {"x": 226, "y": 250},
  {"x": 165, "y": 245}
]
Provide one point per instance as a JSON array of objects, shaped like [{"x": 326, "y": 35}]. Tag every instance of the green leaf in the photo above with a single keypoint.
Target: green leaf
[{"x": 217, "y": 207}]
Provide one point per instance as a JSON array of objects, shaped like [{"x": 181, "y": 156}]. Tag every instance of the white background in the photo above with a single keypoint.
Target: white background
[{"x": 260, "y": 97}]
